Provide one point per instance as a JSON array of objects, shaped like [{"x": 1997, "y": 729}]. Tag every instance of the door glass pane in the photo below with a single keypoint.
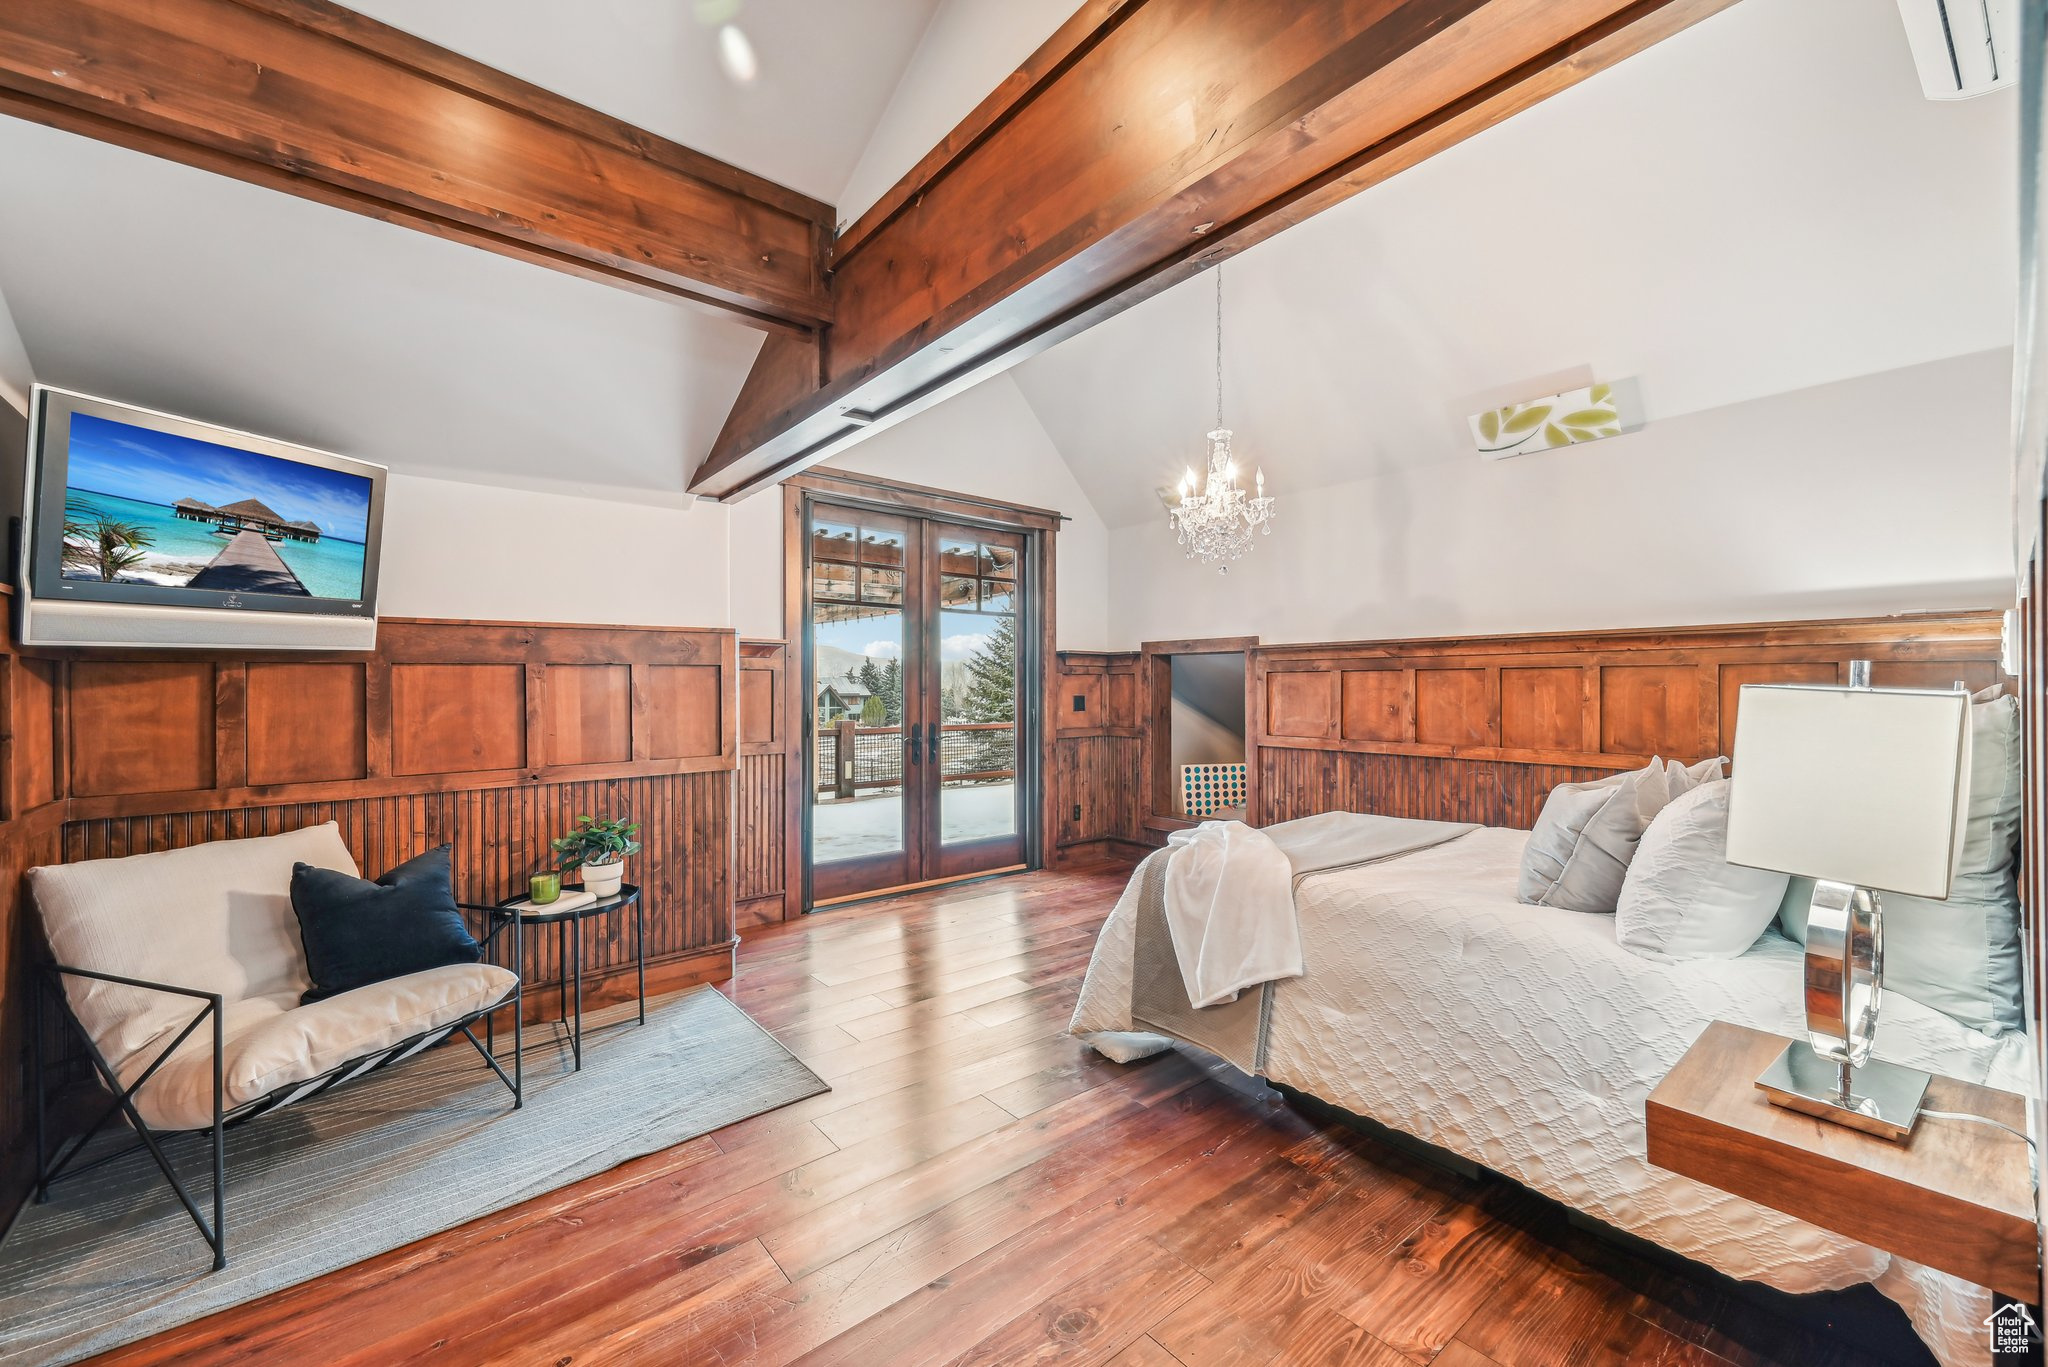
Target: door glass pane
[
  {"x": 957, "y": 593},
  {"x": 857, "y": 647},
  {"x": 998, "y": 596},
  {"x": 958, "y": 557},
  {"x": 833, "y": 540},
  {"x": 978, "y": 708},
  {"x": 881, "y": 586},
  {"x": 831, "y": 581},
  {"x": 881, "y": 547},
  {"x": 999, "y": 561}
]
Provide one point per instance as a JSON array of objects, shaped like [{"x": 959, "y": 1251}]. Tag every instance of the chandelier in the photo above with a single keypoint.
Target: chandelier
[{"x": 1216, "y": 523}]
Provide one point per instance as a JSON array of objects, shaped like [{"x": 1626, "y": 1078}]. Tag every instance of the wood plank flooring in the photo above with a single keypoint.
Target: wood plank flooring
[{"x": 979, "y": 1188}]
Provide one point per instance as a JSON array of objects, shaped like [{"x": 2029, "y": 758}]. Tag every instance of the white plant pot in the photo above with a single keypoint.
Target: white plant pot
[{"x": 603, "y": 880}]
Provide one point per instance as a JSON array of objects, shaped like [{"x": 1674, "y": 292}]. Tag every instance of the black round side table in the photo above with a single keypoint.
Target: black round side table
[{"x": 568, "y": 925}]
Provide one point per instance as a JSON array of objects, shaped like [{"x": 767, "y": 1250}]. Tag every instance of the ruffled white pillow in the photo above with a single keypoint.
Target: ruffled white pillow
[{"x": 1682, "y": 899}]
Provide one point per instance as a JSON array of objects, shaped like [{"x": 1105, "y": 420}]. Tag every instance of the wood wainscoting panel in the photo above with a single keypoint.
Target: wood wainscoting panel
[
  {"x": 448, "y": 719},
  {"x": 1489, "y": 724},
  {"x": 1097, "y": 764},
  {"x": 1120, "y": 697},
  {"x": 428, "y": 738},
  {"x": 499, "y": 836},
  {"x": 31, "y": 748},
  {"x": 1542, "y": 708},
  {"x": 1296, "y": 783},
  {"x": 1935, "y": 674},
  {"x": 767, "y": 795},
  {"x": 1082, "y": 707},
  {"x": 589, "y": 714},
  {"x": 687, "y": 720},
  {"x": 760, "y": 704},
  {"x": 1452, "y": 707},
  {"x": 140, "y": 727},
  {"x": 1302, "y": 704},
  {"x": 1732, "y": 677},
  {"x": 1379, "y": 704},
  {"x": 1652, "y": 709},
  {"x": 761, "y": 834},
  {"x": 1100, "y": 781},
  {"x": 308, "y": 723}
]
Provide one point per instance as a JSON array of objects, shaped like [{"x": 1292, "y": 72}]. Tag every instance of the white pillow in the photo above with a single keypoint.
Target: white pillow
[
  {"x": 1682, "y": 899},
  {"x": 1586, "y": 835}
]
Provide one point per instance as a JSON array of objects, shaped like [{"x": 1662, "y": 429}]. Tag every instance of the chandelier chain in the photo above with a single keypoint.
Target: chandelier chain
[
  {"x": 1215, "y": 519},
  {"x": 1219, "y": 346}
]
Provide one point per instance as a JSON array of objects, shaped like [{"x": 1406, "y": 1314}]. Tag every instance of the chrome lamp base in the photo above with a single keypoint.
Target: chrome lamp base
[{"x": 1875, "y": 1097}]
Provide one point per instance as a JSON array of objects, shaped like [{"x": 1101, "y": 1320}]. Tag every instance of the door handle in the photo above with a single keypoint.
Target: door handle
[
  {"x": 916, "y": 758},
  {"x": 931, "y": 743}
]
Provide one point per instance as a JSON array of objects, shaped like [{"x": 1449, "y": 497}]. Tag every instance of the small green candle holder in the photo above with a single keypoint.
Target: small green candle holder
[{"x": 544, "y": 888}]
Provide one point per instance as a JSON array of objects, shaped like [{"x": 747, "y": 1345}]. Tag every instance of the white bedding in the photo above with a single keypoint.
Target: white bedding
[{"x": 1524, "y": 1038}]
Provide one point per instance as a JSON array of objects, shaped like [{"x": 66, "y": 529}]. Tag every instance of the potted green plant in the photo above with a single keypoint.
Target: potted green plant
[{"x": 598, "y": 846}]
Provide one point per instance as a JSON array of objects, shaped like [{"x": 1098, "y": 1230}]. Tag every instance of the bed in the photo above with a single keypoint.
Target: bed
[{"x": 1525, "y": 1039}]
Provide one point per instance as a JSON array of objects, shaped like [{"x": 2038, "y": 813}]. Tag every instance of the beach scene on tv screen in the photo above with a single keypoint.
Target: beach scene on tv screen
[{"x": 146, "y": 507}]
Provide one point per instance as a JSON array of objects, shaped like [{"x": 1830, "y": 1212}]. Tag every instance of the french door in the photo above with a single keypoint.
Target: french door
[{"x": 920, "y": 716}]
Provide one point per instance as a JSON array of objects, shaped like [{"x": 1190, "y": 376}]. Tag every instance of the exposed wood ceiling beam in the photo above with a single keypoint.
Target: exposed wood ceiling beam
[
  {"x": 318, "y": 101},
  {"x": 1145, "y": 142}
]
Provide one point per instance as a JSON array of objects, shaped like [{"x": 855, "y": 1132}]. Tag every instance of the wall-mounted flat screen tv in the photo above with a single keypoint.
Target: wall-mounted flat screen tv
[{"x": 148, "y": 529}]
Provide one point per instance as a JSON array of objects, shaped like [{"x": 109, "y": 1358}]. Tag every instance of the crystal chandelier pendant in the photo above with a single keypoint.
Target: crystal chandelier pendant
[{"x": 1215, "y": 521}]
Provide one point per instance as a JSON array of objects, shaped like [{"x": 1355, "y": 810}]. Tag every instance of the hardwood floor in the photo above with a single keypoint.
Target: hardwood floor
[{"x": 980, "y": 1188}]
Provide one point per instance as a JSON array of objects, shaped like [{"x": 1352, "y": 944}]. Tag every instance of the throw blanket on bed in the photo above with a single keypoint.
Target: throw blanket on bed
[
  {"x": 1226, "y": 922},
  {"x": 1230, "y": 910}
]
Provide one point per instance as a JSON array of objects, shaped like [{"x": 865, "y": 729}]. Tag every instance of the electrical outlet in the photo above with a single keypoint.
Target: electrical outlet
[{"x": 1077, "y": 811}]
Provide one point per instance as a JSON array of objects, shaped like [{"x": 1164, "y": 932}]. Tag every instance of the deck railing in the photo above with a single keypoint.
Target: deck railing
[{"x": 852, "y": 757}]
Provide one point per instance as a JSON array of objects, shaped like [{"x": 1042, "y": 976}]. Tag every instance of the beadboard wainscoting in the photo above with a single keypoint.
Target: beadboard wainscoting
[
  {"x": 768, "y": 859},
  {"x": 1479, "y": 728},
  {"x": 1097, "y": 764},
  {"x": 492, "y": 737}
]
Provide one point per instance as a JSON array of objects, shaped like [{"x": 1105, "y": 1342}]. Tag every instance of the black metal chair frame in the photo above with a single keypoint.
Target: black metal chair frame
[{"x": 64, "y": 1165}]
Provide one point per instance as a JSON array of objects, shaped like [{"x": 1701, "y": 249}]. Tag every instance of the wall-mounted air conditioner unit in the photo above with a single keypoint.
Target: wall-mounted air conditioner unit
[{"x": 1963, "y": 47}]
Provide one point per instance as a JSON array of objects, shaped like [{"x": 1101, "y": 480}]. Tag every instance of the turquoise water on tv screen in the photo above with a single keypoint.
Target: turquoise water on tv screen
[{"x": 179, "y": 549}]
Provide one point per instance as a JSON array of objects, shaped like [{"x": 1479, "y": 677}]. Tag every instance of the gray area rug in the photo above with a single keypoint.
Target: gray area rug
[{"x": 416, "y": 1149}]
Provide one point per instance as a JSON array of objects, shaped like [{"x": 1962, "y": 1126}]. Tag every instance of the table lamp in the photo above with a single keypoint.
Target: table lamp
[{"x": 1866, "y": 791}]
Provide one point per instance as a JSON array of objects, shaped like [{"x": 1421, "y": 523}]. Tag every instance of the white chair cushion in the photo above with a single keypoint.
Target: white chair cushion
[
  {"x": 215, "y": 917},
  {"x": 271, "y": 1041}
]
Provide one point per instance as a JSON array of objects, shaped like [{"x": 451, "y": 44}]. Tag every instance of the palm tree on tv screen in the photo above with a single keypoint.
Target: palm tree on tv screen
[{"x": 102, "y": 544}]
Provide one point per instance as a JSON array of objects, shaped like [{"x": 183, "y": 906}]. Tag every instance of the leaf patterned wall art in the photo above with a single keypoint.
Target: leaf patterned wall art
[{"x": 1567, "y": 419}]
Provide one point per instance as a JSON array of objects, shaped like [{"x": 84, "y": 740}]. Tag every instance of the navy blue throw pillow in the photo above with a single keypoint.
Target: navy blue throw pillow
[{"x": 357, "y": 932}]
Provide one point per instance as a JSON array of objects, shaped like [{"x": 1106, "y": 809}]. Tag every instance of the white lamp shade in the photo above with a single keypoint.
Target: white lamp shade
[{"x": 1853, "y": 785}]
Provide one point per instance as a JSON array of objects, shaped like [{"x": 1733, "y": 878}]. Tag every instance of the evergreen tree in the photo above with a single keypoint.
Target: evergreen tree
[
  {"x": 892, "y": 692},
  {"x": 991, "y": 696},
  {"x": 885, "y": 682}
]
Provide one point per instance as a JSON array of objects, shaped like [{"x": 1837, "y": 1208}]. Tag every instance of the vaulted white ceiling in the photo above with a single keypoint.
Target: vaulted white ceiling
[
  {"x": 826, "y": 70},
  {"x": 157, "y": 284},
  {"x": 167, "y": 286},
  {"x": 1763, "y": 203}
]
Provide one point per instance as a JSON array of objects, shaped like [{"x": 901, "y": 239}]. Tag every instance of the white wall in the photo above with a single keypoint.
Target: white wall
[
  {"x": 967, "y": 50},
  {"x": 1199, "y": 738},
  {"x": 1869, "y": 496},
  {"x": 15, "y": 373},
  {"x": 15, "y": 379},
  {"x": 986, "y": 441},
  {"x": 487, "y": 553}
]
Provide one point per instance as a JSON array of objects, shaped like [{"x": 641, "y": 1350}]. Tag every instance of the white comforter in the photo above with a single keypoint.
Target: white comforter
[{"x": 1527, "y": 1040}]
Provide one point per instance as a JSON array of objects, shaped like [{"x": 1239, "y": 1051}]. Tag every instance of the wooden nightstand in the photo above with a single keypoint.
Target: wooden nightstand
[{"x": 1956, "y": 1196}]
